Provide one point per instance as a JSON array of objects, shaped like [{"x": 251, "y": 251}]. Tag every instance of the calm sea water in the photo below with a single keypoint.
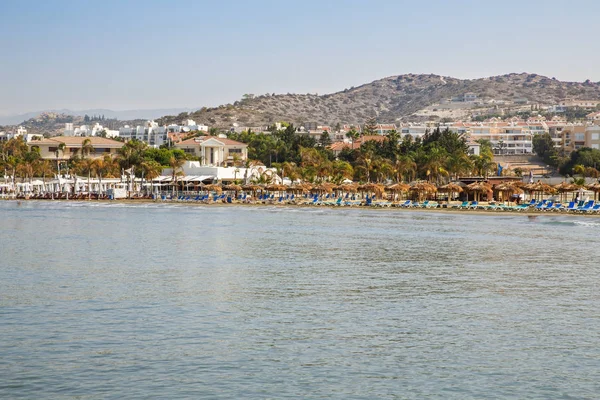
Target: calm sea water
[{"x": 162, "y": 301}]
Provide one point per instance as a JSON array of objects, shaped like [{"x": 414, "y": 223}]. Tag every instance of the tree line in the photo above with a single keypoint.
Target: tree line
[
  {"x": 18, "y": 160},
  {"x": 437, "y": 157}
]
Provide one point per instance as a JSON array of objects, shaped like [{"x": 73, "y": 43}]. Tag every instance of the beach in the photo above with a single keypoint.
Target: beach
[{"x": 391, "y": 208}]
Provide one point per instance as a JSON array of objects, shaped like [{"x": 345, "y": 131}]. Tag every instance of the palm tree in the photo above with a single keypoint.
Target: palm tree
[
  {"x": 25, "y": 169},
  {"x": 86, "y": 148},
  {"x": 482, "y": 165},
  {"x": 435, "y": 163},
  {"x": 151, "y": 170},
  {"x": 86, "y": 166},
  {"x": 60, "y": 149},
  {"x": 405, "y": 166},
  {"x": 342, "y": 170},
  {"x": 289, "y": 169},
  {"x": 458, "y": 163},
  {"x": 176, "y": 170},
  {"x": 44, "y": 167},
  {"x": 103, "y": 166},
  {"x": 352, "y": 135}
]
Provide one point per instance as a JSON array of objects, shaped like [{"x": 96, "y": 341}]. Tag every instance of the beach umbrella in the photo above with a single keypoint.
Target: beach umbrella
[
  {"x": 594, "y": 187},
  {"x": 566, "y": 187},
  {"x": 324, "y": 187},
  {"x": 539, "y": 187},
  {"x": 251, "y": 188},
  {"x": 478, "y": 188},
  {"x": 374, "y": 188},
  {"x": 275, "y": 187},
  {"x": 508, "y": 189},
  {"x": 299, "y": 188},
  {"x": 423, "y": 187},
  {"x": 451, "y": 188},
  {"x": 348, "y": 187},
  {"x": 398, "y": 188},
  {"x": 232, "y": 188},
  {"x": 214, "y": 188}
]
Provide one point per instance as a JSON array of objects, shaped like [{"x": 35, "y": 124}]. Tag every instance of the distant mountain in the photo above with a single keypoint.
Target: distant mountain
[
  {"x": 124, "y": 115},
  {"x": 389, "y": 99}
]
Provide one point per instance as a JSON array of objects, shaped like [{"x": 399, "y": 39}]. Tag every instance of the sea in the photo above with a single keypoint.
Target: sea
[{"x": 106, "y": 300}]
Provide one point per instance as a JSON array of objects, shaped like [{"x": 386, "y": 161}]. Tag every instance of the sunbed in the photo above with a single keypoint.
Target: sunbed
[
  {"x": 464, "y": 204},
  {"x": 587, "y": 207}
]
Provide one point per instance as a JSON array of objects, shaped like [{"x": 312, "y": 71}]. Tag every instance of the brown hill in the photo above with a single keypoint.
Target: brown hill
[{"x": 388, "y": 99}]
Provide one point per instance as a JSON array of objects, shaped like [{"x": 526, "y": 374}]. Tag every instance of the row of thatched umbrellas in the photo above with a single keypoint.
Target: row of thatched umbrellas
[{"x": 421, "y": 188}]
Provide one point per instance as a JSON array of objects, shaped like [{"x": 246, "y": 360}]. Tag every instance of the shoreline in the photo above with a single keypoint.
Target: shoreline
[{"x": 442, "y": 210}]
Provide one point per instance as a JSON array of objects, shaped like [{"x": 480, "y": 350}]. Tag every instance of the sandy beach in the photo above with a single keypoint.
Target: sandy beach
[{"x": 532, "y": 212}]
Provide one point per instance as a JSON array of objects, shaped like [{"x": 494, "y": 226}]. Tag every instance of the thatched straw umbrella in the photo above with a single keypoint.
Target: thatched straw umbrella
[
  {"x": 508, "y": 189},
  {"x": 348, "y": 188},
  {"x": 478, "y": 188},
  {"x": 324, "y": 187},
  {"x": 398, "y": 188},
  {"x": 214, "y": 187},
  {"x": 423, "y": 187},
  {"x": 566, "y": 187},
  {"x": 276, "y": 188},
  {"x": 299, "y": 189},
  {"x": 451, "y": 188},
  {"x": 594, "y": 187},
  {"x": 374, "y": 188},
  {"x": 233, "y": 188},
  {"x": 252, "y": 188},
  {"x": 539, "y": 187}
]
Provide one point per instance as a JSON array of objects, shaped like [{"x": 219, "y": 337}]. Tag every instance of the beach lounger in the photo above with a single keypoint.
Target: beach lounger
[
  {"x": 595, "y": 209},
  {"x": 522, "y": 207},
  {"x": 556, "y": 207},
  {"x": 473, "y": 205},
  {"x": 425, "y": 204},
  {"x": 587, "y": 207},
  {"x": 464, "y": 204},
  {"x": 406, "y": 204}
]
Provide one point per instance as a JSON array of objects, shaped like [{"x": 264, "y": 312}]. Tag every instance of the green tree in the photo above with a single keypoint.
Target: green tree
[{"x": 543, "y": 146}]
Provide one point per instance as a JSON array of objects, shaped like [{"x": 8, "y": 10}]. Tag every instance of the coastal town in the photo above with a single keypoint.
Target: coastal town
[{"x": 370, "y": 164}]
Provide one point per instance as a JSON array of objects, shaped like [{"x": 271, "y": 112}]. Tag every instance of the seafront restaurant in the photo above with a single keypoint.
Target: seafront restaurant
[{"x": 195, "y": 174}]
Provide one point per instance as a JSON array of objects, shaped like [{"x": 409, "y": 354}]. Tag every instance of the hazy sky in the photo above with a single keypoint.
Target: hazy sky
[{"x": 163, "y": 54}]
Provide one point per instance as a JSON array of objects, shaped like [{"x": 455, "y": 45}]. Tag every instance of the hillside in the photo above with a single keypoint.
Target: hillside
[{"x": 389, "y": 99}]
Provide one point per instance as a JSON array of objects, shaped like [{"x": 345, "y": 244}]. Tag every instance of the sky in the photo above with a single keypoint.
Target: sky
[{"x": 146, "y": 54}]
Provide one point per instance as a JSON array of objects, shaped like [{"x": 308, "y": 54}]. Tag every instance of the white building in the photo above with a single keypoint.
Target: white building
[
  {"x": 195, "y": 171},
  {"x": 151, "y": 133}
]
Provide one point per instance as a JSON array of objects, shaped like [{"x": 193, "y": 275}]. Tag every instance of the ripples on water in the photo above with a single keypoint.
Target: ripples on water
[{"x": 171, "y": 301}]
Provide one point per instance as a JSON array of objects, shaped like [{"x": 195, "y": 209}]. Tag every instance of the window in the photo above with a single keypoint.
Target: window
[
  {"x": 52, "y": 149},
  {"x": 595, "y": 136},
  {"x": 239, "y": 151}
]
